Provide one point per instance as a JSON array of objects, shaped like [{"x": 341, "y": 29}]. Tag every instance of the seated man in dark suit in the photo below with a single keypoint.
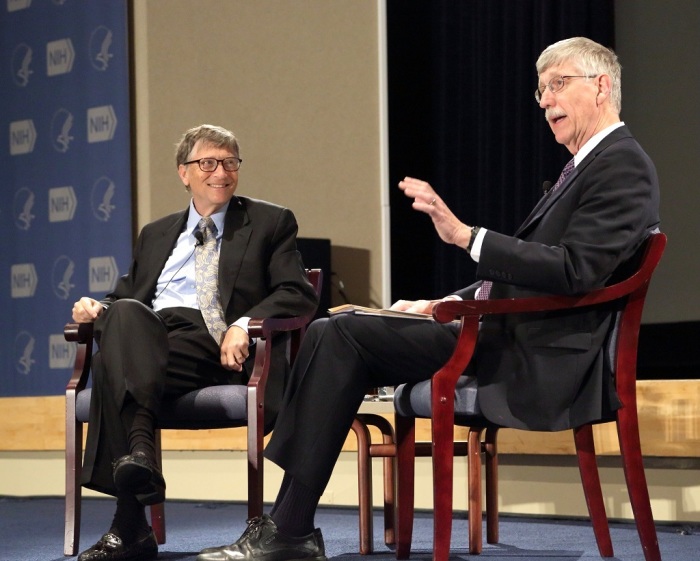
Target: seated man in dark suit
[
  {"x": 178, "y": 321},
  {"x": 580, "y": 237}
]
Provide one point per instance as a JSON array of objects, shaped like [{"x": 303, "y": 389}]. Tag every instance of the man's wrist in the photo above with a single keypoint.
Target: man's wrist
[{"x": 472, "y": 239}]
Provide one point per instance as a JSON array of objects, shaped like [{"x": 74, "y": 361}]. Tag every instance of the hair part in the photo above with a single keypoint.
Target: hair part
[
  {"x": 590, "y": 58},
  {"x": 212, "y": 135}
]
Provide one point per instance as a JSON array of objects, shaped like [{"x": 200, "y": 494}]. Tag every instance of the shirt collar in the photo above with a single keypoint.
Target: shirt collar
[
  {"x": 218, "y": 217},
  {"x": 594, "y": 141}
]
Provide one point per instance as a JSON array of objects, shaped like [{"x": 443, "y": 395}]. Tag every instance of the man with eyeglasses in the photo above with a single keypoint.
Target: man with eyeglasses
[
  {"x": 160, "y": 337},
  {"x": 544, "y": 372}
]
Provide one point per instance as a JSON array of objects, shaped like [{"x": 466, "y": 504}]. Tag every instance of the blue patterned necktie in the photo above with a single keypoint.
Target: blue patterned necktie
[
  {"x": 206, "y": 266},
  {"x": 485, "y": 289}
]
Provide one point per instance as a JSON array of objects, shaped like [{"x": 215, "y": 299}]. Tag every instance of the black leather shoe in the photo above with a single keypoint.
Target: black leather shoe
[
  {"x": 262, "y": 541},
  {"x": 135, "y": 474},
  {"x": 111, "y": 548}
]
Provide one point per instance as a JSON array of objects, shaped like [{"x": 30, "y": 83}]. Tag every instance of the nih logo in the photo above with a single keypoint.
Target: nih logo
[
  {"x": 24, "y": 280},
  {"x": 103, "y": 274},
  {"x": 62, "y": 203},
  {"x": 101, "y": 122},
  {"x": 17, "y": 5},
  {"x": 59, "y": 57},
  {"x": 61, "y": 352},
  {"x": 22, "y": 137}
]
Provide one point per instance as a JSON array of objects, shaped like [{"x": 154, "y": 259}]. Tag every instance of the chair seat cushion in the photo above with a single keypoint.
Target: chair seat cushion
[
  {"x": 413, "y": 400},
  {"x": 206, "y": 408}
]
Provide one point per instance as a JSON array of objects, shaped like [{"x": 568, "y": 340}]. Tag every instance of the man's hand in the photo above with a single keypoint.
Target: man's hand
[
  {"x": 87, "y": 310},
  {"x": 414, "y": 306},
  {"x": 426, "y": 200},
  {"x": 234, "y": 348}
]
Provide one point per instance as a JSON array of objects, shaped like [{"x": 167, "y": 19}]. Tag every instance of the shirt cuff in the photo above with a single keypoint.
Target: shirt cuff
[
  {"x": 243, "y": 322},
  {"x": 475, "y": 252}
]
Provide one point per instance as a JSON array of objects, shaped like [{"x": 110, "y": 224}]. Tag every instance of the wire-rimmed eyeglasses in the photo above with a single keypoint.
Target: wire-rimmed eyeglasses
[
  {"x": 556, "y": 84},
  {"x": 210, "y": 164}
]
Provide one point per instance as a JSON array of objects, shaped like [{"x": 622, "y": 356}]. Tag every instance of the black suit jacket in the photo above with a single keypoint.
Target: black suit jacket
[
  {"x": 549, "y": 371},
  {"x": 261, "y": 273}
]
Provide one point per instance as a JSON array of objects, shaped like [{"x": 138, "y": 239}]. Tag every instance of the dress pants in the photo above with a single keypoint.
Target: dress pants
[
  {"x": 340, "y": 358},
  {"x": 148, "y": 356}
]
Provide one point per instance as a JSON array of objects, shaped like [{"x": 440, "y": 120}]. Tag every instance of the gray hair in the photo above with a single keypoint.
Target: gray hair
[
  {"x": 212, "y": 135},
  {"x": 590, "y": 58}
]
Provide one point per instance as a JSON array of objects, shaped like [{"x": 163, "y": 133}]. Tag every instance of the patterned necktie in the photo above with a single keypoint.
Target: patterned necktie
[
  {"x": 485, "y": 290},
  {"x": 206, "y": 266},
  {"x": 568, "y": 168}
]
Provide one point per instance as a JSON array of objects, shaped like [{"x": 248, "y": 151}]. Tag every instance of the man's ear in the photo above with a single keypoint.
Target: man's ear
[
  {"x": 604, "y": 83},
  {"x": 182, "y": 172}
]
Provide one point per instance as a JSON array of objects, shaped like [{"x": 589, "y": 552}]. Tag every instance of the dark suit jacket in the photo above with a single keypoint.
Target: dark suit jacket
[
  {"x": 261, "y": 273},
  {"x": 549, "y": 371}
]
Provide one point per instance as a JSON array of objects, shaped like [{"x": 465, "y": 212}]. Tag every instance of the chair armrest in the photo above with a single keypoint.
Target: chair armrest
[
  {"x": 266, "y": 327},
  {"x": 450, "y": 310},
  {"x": 80, "y": 333}
]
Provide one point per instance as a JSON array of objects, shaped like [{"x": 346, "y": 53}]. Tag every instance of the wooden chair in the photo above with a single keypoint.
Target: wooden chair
[
  {"x": 631, "y": 294},
  {"x": 209, "y": 408}
]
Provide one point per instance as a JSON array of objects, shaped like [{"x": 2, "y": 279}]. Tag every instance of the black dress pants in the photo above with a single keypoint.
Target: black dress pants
[
  {"x": 340, "y": 358},
  {"x": 148, "y": 356}
]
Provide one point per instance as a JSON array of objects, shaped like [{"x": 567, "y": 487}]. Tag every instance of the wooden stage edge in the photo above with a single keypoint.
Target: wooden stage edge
[{"x": 669, "y": 414}]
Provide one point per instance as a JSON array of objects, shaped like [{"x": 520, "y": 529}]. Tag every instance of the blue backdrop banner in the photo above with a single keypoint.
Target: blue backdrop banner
[{"x": 65, "y": 172}]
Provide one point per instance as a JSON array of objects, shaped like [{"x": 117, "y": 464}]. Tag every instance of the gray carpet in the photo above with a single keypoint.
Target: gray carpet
[{"x": 32, "y": 530}]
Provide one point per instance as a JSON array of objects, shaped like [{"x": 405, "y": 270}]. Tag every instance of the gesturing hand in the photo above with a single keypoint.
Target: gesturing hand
[{"x": 425, "y": 199}]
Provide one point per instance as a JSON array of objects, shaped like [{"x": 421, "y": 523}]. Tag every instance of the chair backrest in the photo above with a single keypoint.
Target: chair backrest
[{"x": 630, "y": 319}]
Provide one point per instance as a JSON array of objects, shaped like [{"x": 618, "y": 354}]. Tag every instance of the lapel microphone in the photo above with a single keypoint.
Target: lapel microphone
[
  {"x": 546, "y": 186},
  {"x": 199, "y": 236}
]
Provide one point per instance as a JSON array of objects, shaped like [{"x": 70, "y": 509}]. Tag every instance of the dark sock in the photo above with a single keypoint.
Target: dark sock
[
  {"x": 129, "y": 522},
  {"x": 141, "y": 429},
  {"x": 294, "y": 511},
  {"x": 286, "y": 480}
]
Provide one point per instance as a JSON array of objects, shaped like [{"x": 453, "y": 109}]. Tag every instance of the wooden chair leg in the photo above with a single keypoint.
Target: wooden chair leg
[
  {"x": 491, "y": 460},
  {"x": 405, "y": 481},
  {"x": 388, "y": 438},
  {"x": 588, "y": 467},
  {"x": 443, "y": 479},
  {"x": 364, "y": 486},
  {"x": 474, "y": 491},
  {"x": 631, "y": 451},
  {"x": 74, "y": 455}
]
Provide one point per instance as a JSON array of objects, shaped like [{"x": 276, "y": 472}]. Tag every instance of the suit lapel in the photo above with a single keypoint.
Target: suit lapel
[
  {"x": 548, "y": 200},
  {"x": 237, "y": 232}
]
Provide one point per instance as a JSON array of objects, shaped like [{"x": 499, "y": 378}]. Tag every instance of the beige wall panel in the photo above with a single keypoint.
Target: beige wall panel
[{"x": 298, "y": 82}]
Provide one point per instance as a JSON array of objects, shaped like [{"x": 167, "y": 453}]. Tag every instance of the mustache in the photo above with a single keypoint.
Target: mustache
[{"x": 550, "y": 114}]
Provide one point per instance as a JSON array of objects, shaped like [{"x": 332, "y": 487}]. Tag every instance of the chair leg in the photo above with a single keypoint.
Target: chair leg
[
  {"x": 491, "y": 461},
  {"x": 405, "y": 481},
  {"x": 158, "y": 511},
  {"x": 631, "y": 451},
  {"x": 388, "y": 439},
  {"x": 443, "y": 480},
  {"x": 74, "y": 454},
  {"x": 364, "y": 486},
  {"x": 588, "y": 467},
  {"x": 474, "y": 491}
]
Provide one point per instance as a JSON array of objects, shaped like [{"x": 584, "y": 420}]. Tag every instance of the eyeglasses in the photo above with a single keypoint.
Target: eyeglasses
[
  {"x": 556, "y": 84},
  {"x": 210, "y": 164}
]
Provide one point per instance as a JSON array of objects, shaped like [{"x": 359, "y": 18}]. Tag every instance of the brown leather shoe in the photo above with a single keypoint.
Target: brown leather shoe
[{"x": 111, "y": 548}]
